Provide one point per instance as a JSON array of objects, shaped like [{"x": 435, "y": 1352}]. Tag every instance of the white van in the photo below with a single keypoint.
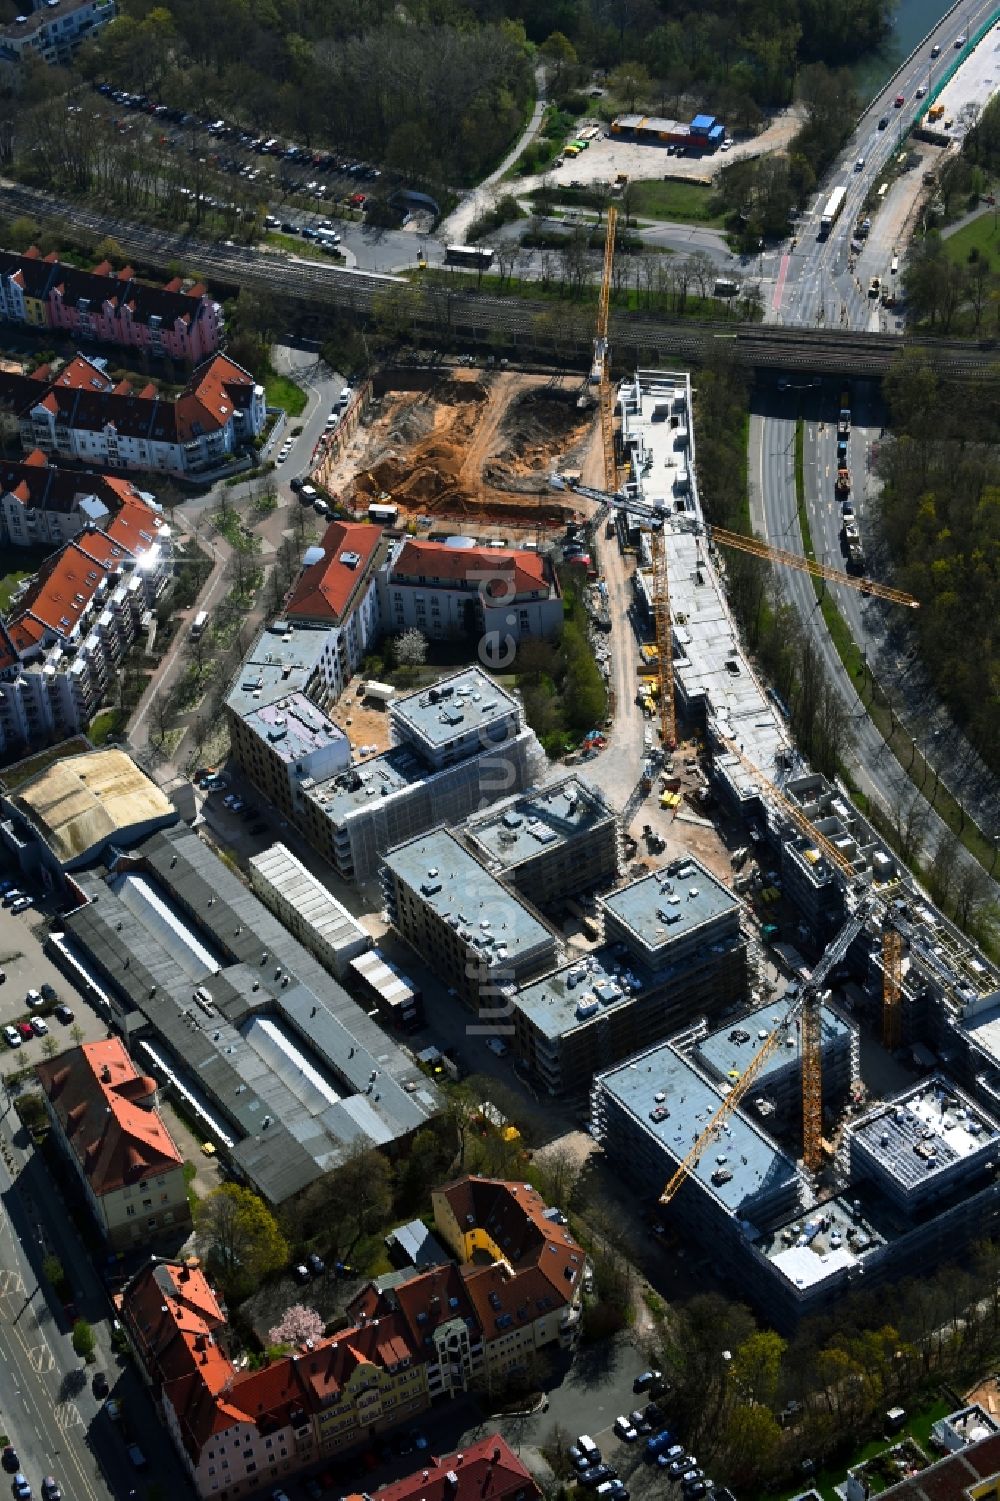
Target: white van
[{"x": 586, "y": 1446}]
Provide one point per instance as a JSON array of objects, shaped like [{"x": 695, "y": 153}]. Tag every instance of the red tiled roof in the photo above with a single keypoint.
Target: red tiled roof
[
  {"x": 115, "y": 1138},
  {"x": 422, "y": 1302},
  {"x": 488, "y": 1470},
  {"x": 135, "y": 527},
  {"x": 499, "y": 570},
  {"x": 543, "y": 1261},
  {"x": 215, "y": 389},
  {"x": 178, "y": 1324},
  {"x": 325, "y": 588}
]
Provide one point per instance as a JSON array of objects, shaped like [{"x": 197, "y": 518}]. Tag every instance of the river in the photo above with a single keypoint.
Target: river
[{"x": 913, "y": 20}]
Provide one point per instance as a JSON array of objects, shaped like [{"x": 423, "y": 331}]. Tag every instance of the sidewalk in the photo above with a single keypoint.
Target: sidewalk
[{"x": 452, "y": 230}]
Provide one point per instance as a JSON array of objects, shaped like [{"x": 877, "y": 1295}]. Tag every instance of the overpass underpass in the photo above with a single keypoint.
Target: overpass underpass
[{"x": 475, "y": 321}]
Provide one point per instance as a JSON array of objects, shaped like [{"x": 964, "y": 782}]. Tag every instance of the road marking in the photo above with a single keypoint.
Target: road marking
[
  {"x": 67, "y": 1415},
  {"x": 11, "y": 1284},
  {"x": 780, "y": 284},
  {"x": 41, "y": 1357}
]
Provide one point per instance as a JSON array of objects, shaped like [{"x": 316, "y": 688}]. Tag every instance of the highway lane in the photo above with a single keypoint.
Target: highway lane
[
  {"x": 774, "y": 516},
  {"x": 818, "y": 286}
]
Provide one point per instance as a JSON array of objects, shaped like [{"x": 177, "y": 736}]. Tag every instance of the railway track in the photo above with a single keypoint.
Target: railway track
[{"x": 475, "y": 319}]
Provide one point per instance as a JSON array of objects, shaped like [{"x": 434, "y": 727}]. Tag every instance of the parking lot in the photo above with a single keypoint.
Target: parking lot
[{"x": 27, "y": 968}]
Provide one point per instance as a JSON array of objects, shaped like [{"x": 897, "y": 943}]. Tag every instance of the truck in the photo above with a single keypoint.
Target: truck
[
  {"x": 844, "y": 423},
  {"x": 935, "y": 112},
  {"x": 855, "y": 557},
  {"x": 198, "y": 624},
  {"x": 831, "y": 210},
  {"x": 379, "y": 693}
]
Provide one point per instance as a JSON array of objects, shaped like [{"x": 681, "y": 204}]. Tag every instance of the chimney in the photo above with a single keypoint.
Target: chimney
[
  {"x": 105, "y": 1075},
  {"x": 495, "y": 1456}
]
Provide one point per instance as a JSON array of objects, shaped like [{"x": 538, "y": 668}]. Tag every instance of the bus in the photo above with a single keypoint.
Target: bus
[
  {"x": 834, "y": 204},
  {"x": 479, "y": 257}
]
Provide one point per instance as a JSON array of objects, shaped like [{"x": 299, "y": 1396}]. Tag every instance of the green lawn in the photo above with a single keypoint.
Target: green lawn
[
  {"x": 282, "y": 392},
  {"x": 683, "y": 202},
  {"x": 107, "y": 722},
  {"x": 17, "y": 563},
  {"x": 982, "y": 234},
  {"x": 918, "y": 1427}
]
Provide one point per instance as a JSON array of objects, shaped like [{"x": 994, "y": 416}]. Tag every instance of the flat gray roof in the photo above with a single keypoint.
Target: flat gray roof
[
  {"x": 366, "y": 782},
  {"x": 826, "y": 1239},
  {"x": 467, "y": 701},
  {"x": 293, "y": 727},
  {"x": 266, "y": 975},
  {"x": 482, "y": 910},
  {"x": 731, "y": 1048},
  {"x": 314, "y": 903},
  {"x": 756, "y": 1167},
  {"x": 661, "y": 907},
  {"x": 574, "y": 994},
  {"x": 281, "y": 661},
  {"x": 528, "y": 825},
  {"x": 923, "y": 1134},
  {"x": 713, "y": 662}
]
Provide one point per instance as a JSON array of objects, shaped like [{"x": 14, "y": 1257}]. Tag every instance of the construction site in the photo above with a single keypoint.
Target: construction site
[{"x": 468, "y": 446}]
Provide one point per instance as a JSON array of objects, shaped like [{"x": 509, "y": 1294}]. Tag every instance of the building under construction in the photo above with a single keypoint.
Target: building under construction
[
  {"x": 694, "y": 1122},
  {"x": 920, "y": 1181}
]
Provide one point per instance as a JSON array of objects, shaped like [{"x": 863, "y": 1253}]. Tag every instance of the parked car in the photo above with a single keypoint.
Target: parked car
[
  {"x": 667, "y": 1456},
  {"x": 640, "y": 1422},
  {"x": 26, "y": 1030},
  {"x": 12, "y": 1037},
  {"x": 39, "y": 1026},
  {"x": 681, "y": 1465},
  {"x": 65, "y": 1013},
  {"x": 49, "y": 991},
  {"x": 50, "y": 1489},
  {"x": 11, "y": 896},
  {"x": 34, "y": 998},
  {"x": 645, "y": 1380},
  {"x": 5, "y": 886},
  {"x": 497, "y": 1046},
  {"x": 595, "y": 1475},
  {"x": 624, "y": 1430},
  {"x": 316, "y": 1264},
  {"x": 301, "y": 1273},
  {"x": 99, "y": 1384},
  {"x": 19, "y": 1485},
  {"x": 10, "y": 1459},
  {"x": 22, "y": 904}
]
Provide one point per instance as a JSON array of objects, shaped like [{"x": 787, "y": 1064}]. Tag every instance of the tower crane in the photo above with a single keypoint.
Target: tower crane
[
  {"x": 806, "y": 1009},
  {"x": 807, "y": 1005},
  {"x": 680, "y": 521}
]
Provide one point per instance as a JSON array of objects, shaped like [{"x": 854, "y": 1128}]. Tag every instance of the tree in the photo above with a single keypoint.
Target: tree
[
  {"x": 297, "y": 1325},
  {"x": 411, "y": 648},
  {"x": 83, "y": 1340},
  {"x": 241, "y": 1237},
  {"x": 559, "y": 54},
  {"x": 628, "y": 81}
]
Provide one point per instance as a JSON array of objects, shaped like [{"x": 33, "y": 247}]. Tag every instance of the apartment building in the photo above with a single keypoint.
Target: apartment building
[
  {"x": 238, "y": 1430},
  {"x": 283, "y": 745},
  {"x": 522, "y": 1269},
  {"x": 474, "y": 932},
  {"x": 337, "y": 588},
  {"x": 455, "y": 588},
  {"x": 54, "y": 30},
  {"x": 82, "y": 414},
  {"x": 457, "y": 747},
  {"x": 551, "y": 842},
  {"x": 176, "y": 321},
  {"x": 440, "y": 1320},
  {"x": 75, "y": 621},
  {"x": 487, "y": 1468},
  {"x": 104, "y": 1116}
]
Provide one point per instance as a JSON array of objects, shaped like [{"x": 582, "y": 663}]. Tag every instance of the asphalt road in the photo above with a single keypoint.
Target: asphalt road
[
  {"x": 812, "y": 283},
  {"x": 48, "y": 1409},
  {"x": 774, "y": 516}
]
